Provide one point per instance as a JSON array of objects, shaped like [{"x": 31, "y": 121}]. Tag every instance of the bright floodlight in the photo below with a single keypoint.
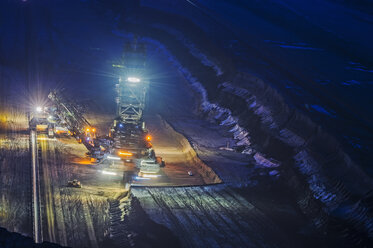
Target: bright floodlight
[
  {"x": 133, "y": 79},
  {"x": 39, "y": 109},
  {"x": 109, "y": 173},
  {"x": 113, "y": 158},
  {"x": 150, "y": 176}
]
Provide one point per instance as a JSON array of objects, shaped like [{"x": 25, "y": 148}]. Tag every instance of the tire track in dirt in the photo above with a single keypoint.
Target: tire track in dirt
[
  {"x": 191, "y": 216},
  {"x": 61, "y": 228},
  {"x": 178, "y": 227},
  {"x": 47, "y": 199},
  {"x": 229, "y": 224},
  {"x": 15, "y": 181},
  {"x": 210, "y": 217}
]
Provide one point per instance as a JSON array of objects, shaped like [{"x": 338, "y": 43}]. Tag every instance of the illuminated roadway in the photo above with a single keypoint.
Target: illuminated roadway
[
  {"x": 47, "y": 189},
  {"x": 79, "y": 216},
  {"x": 38, "y": 237}
]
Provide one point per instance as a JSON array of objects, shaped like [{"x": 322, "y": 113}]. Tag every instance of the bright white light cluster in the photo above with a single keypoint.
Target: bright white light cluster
[{"x": 133, "y": 79}]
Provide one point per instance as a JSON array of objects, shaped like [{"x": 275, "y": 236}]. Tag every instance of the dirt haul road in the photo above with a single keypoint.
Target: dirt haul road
[
  {"x": 76, "y": 217},
  {"x": 15, "y": 183}
]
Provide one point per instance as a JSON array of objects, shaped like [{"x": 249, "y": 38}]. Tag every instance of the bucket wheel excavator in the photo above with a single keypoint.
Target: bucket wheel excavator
[{"x": 131, "y": 140}]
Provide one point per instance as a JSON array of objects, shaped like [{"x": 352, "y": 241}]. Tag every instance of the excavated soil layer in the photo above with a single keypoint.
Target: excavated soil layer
[{"x": 209, "y": 176}]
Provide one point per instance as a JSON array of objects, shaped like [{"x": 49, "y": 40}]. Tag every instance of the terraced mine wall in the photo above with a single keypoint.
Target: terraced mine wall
[
  {"x": 209, "y": 176},
  {"x": 335, "y": 193}
]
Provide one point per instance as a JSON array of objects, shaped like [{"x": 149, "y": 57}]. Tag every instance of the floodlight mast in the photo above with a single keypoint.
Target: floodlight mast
[
  {"x": 131, "y": 90},
  {"x": 128, "y": 131}
]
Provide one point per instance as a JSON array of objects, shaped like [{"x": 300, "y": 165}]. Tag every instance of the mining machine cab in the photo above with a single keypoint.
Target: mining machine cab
[
  {"x": 131, "y": 141},
  {"x": 40, "y": 121}
]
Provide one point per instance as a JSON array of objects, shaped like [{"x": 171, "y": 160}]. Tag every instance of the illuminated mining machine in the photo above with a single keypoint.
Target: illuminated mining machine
[
  {"x": 131, "y": 140},
  {"x": 128, "y": 138},
  {"x": 64, "y": 117},
  {"x": 66, "y": 114}
]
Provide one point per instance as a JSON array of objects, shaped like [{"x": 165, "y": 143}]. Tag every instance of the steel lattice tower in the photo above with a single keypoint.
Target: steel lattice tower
[{"x": 132, "y": 86}]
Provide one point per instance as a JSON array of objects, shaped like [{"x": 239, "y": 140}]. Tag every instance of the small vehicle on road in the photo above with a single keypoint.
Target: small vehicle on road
[{"x": 74, "y": 183}]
